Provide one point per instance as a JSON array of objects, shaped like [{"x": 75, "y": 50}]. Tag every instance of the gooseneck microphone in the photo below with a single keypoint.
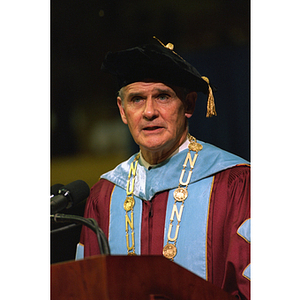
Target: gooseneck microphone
[{"x": 69, "y": 195}]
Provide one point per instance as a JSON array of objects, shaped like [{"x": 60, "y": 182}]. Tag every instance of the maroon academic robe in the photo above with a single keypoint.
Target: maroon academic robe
[{"x": 227, "y": 248}]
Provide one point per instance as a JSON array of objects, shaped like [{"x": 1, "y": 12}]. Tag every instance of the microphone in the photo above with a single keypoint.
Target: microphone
[
  {"x": 69, "y": 195},
  {"x": 54, "y": 189}
]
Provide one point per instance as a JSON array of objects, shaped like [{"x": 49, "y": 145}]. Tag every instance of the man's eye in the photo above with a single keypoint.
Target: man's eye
[
  {"x": 136, "y": 99},
  {"x": 163, "y": 97}
]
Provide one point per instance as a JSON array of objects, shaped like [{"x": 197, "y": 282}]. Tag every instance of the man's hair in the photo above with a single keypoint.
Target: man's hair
[{"x": 121, "y": 94}]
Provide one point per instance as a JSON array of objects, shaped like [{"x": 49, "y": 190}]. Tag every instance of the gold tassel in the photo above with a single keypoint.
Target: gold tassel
[{"x": 211, "y": 108}]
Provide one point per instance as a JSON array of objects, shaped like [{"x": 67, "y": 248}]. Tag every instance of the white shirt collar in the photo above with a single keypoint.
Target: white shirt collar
[{"x": 145, "y": 164}]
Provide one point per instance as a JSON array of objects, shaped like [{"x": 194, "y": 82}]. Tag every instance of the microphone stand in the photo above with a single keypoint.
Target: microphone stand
[{"x": 90, "y": 223}]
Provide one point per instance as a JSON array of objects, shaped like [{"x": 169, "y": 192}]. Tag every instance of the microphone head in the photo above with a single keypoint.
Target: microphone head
[
  {"x": 76, "y": 191},
  {"x": 55, "y": 189}
]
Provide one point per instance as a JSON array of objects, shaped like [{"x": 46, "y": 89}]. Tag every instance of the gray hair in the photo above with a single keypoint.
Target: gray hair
[{"x": 121, "y": 94}]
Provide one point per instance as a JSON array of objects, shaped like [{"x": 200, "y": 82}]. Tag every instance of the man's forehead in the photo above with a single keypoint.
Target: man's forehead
[{"x": 148, "y": 86}]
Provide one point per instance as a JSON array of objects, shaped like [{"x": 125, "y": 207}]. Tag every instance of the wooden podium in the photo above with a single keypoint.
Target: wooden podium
[{"x": 129, "y": 277}]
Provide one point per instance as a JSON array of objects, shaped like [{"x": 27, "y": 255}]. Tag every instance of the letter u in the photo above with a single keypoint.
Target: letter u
[{"x": 176, "y": 233}]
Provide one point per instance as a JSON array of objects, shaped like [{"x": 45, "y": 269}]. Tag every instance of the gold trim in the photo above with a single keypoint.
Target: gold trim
[
  {"x": 243, "y": 274},
  {"x": 208, "y": 210},
  {"x": 240, "y": 165},
  {"x": 109, "y": 215},
  {"x": 237, "y": 232}
]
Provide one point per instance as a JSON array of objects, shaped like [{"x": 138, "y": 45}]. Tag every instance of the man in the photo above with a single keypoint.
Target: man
[{"x": 178, "y": 197}]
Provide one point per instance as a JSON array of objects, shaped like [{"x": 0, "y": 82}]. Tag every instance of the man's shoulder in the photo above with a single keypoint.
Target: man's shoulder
[
  {"x": 240, "y": 170},
  {"x": 214, "y": 152},
  {"x": 120, "y": 173},
  {"x": 102, "y": 186},
  {"x": 238, "y": 175},
  {"x": 213, "y": 160}
]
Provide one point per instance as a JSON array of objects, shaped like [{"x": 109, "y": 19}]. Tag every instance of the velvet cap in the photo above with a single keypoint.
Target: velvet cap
[
  {"x": 153, "y": 62},
  {"x": 161, "y": 63}
]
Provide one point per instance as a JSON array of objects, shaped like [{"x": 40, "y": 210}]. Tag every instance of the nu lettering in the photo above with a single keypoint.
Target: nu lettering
[
  {"x": 178, "y": 217},
  {"x": 192, "y": 164},
  {"x": 130, "y": 222},
  {"x": 132, "y": 171}
]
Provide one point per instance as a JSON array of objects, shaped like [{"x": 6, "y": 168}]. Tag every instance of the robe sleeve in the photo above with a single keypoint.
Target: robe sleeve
[
  {"x": 229, "y": 232},
  {"x": 97, "y": 207}
]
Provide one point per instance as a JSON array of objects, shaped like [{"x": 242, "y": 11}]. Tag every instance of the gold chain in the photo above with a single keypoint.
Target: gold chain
[
  {"x": 128, "y": 206},
  {"x": 180, "y": 195}
]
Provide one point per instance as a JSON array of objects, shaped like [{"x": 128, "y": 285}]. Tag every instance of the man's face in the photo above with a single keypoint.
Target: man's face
[{"x": 155, "y": 115}]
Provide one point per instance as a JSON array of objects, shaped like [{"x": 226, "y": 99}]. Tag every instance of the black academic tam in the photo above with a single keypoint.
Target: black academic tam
[{"x": 156, "y": 62}]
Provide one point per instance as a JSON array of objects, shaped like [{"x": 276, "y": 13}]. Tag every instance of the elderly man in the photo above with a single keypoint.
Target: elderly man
[{"x": 178, "y": 197}]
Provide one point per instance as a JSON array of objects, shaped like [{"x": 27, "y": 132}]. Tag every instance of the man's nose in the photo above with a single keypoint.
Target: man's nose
[{"x": 150, "y": 109}]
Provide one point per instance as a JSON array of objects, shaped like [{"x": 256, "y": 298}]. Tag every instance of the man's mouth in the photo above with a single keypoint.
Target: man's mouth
[{"x": 152, "y": 128}]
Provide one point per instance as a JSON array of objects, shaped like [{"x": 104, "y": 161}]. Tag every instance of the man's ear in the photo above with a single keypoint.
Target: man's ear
[
  {"x": 190, "y": 104},
  {"x": 121, "y": 109}
]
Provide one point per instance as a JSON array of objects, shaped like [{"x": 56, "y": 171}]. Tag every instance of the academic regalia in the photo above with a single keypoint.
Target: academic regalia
[{"x": 214, "y": 235}]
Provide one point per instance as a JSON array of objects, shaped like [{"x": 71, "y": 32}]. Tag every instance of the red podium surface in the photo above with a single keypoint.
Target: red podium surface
[{"x": 129, "y": 277}]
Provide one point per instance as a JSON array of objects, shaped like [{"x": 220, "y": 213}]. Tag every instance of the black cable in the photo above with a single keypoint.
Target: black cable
[
  {"x": 64, "y": 228},
  {"x": 101, "y": 236},
  {"x": 86, "y": 222},
  {"x": 90, "y": 223}
]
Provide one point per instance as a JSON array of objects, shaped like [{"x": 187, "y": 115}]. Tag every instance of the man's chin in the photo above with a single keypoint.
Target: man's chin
[{"x": 155, "y": 144}]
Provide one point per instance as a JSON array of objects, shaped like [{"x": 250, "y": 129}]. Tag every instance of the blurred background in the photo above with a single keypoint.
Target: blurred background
[{"x": 87, "y": 135}]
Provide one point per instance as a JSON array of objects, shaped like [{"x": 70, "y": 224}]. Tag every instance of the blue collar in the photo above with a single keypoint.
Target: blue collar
[{"x": 210, "y": 161}]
